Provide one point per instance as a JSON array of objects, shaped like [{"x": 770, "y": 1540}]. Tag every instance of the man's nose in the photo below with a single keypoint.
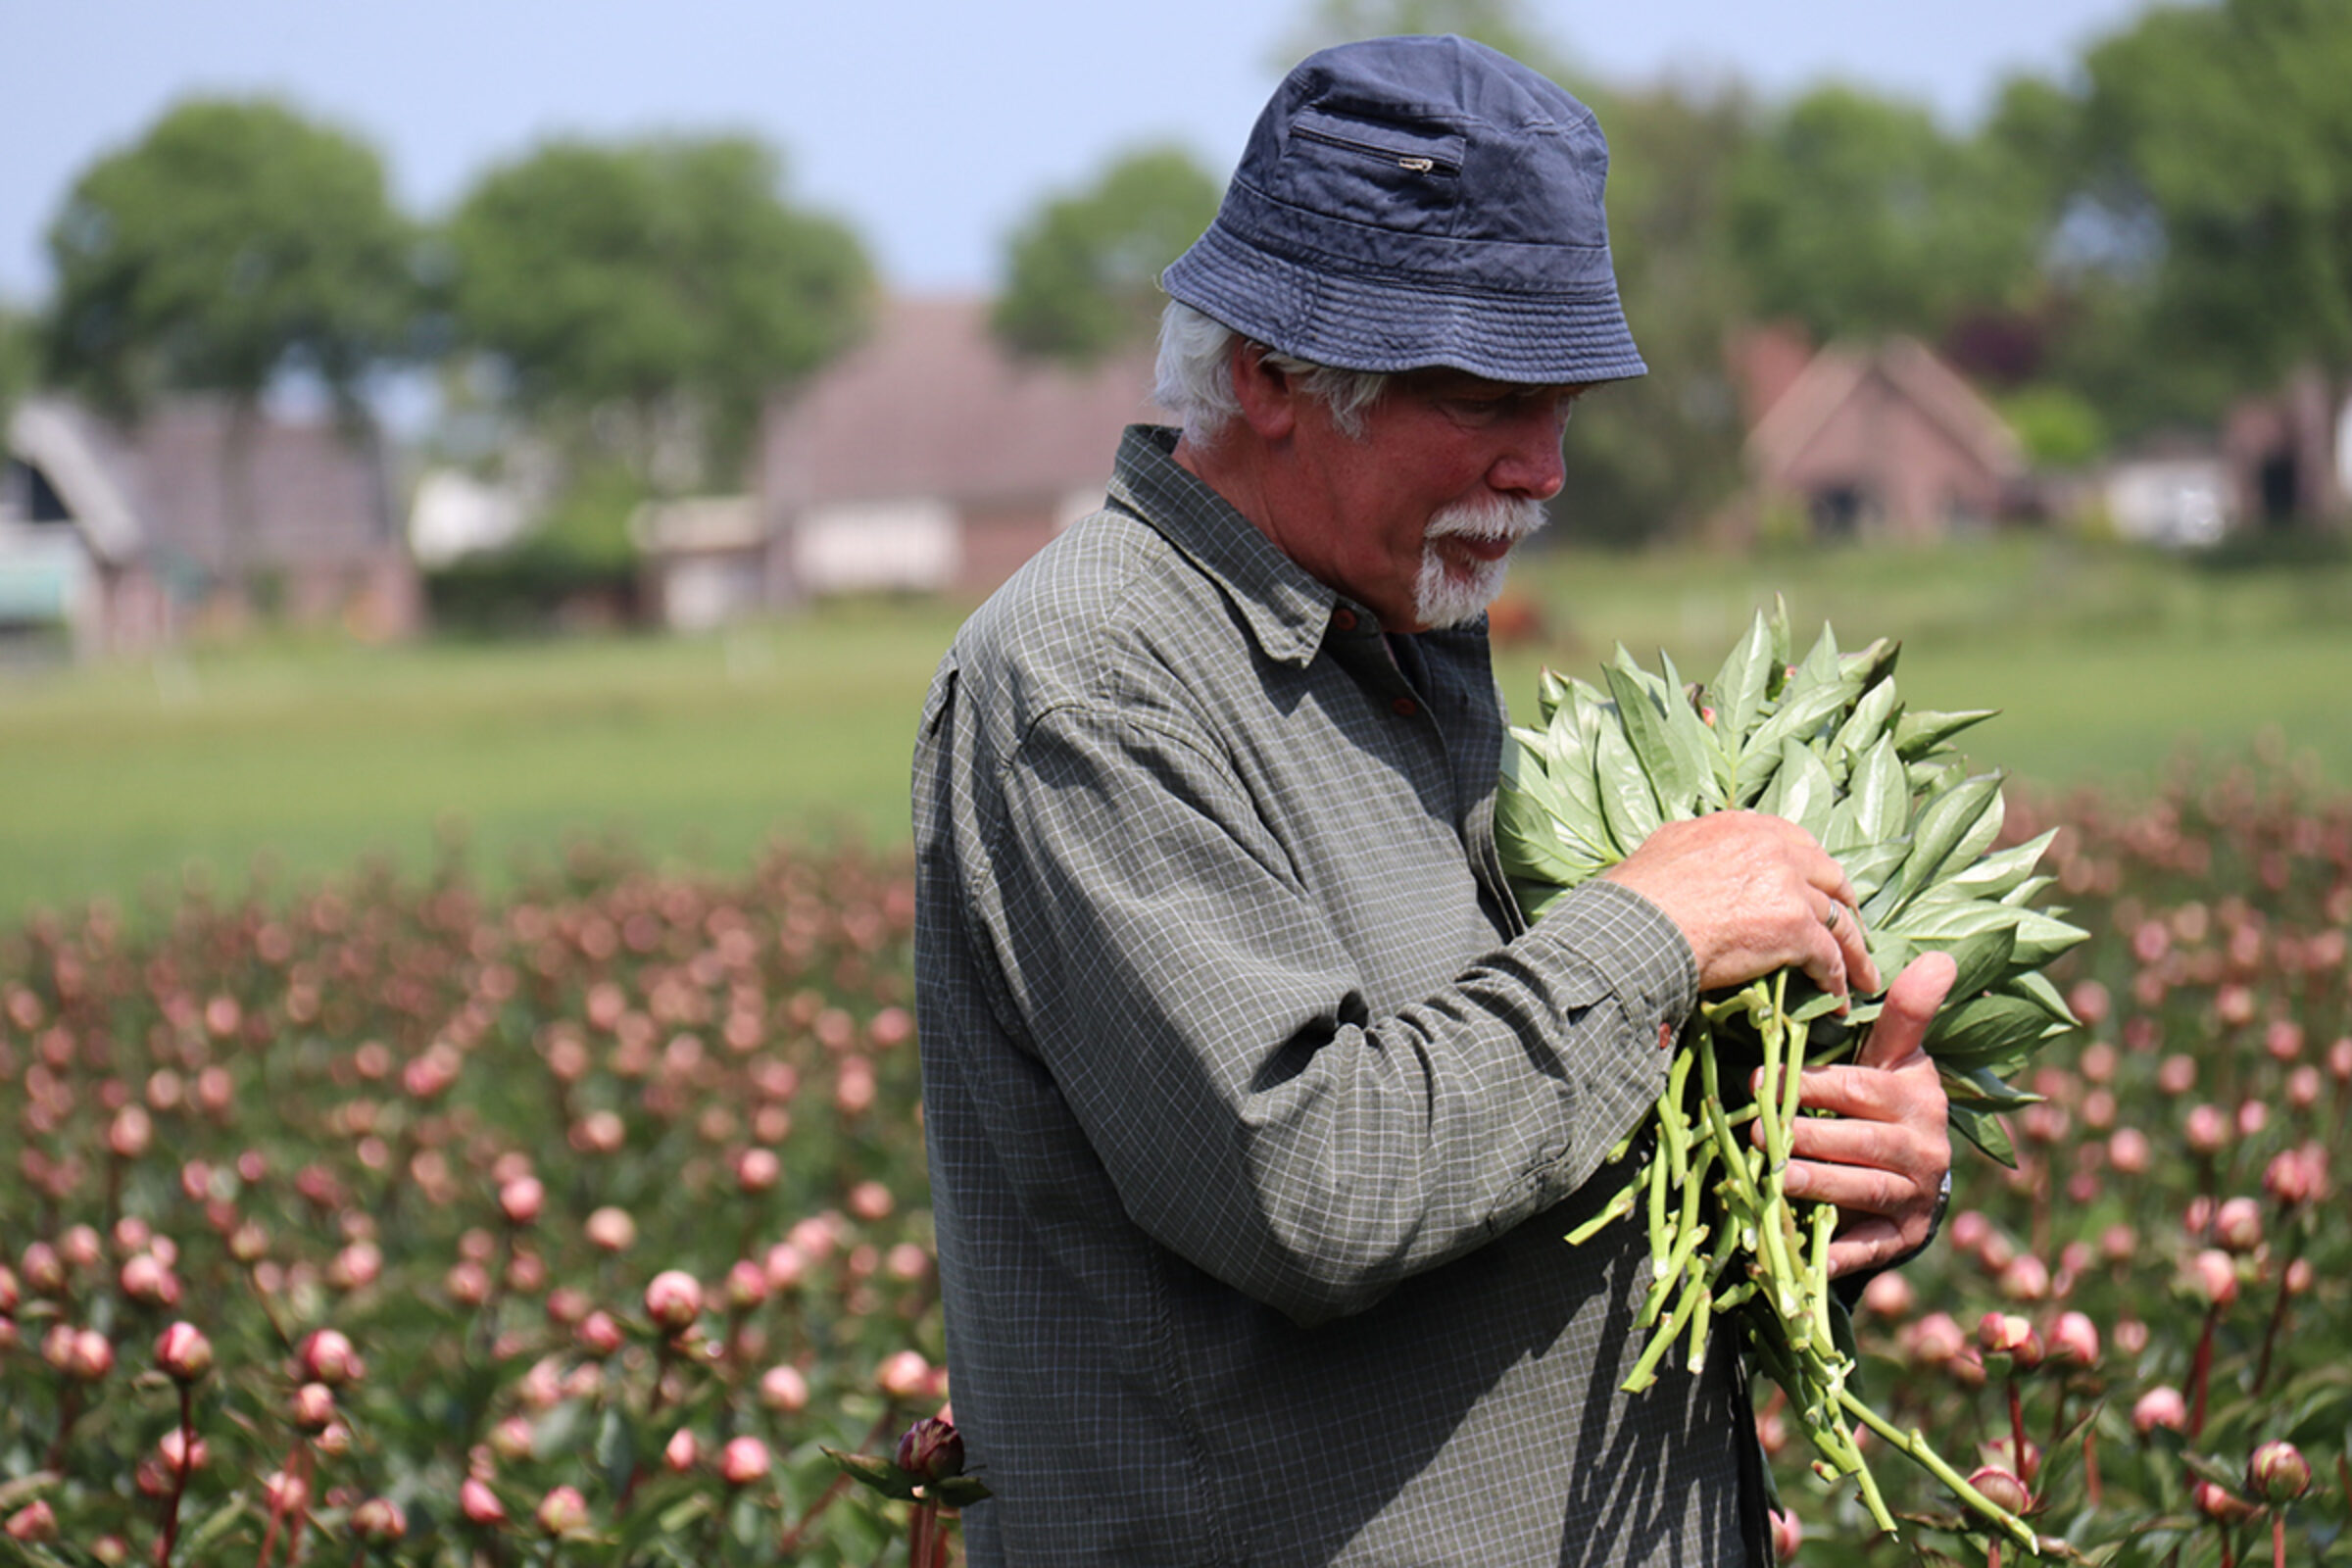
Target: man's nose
[{"x": 1530, "y": 465}]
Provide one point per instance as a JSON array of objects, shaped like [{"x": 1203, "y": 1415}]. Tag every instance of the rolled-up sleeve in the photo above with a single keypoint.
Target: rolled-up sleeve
[{"x": 1257, "y": 1110}]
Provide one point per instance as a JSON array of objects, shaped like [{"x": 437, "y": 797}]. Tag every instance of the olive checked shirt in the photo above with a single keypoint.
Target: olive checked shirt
[{"x": 1256, "y": 1112}]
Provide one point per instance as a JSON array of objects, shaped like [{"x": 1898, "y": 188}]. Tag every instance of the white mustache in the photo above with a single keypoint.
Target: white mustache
[{"x": 1497, "y": 517}]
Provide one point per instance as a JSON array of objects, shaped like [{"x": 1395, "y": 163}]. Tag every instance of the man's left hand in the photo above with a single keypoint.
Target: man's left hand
[{"x": 1884, "y": 1153}]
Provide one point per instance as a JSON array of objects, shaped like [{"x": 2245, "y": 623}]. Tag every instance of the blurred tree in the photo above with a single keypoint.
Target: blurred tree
[
  {"x": 234, "y": 243},
  {"x": 2225, "y": 131},
  {"x": 1858, "y": 216},
  {"x": 1500, "y": 24},
  {"x": 648, "y": 296},
  {"x": 1652, "y": 457},
  {"x": 1083, "y": 273},
  {"x": 20, "y": 360}
]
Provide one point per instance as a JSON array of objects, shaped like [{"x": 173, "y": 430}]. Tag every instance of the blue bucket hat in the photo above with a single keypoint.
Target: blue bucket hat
[{"x": 1412, "y": 201}]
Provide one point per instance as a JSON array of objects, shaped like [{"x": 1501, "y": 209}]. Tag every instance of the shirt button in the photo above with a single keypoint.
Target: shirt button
[
  {"x": 1342, "y": 620},
  {"x": 1405, "y": 706}
]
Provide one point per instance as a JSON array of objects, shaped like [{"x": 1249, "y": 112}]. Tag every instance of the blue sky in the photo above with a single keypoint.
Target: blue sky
[{"x": 931, "y": 125}]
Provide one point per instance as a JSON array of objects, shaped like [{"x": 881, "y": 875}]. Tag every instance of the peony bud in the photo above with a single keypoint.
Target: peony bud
[
  {"x": 674, "y": 1301},
  {"x": 2160, "y": 1406},
  {"x": 379, "y": 1520},
  {"x": 903, "y": 1375},
  {"x": 562, "y": 1511},
  {"x": 285, "y": 1493},
  {"x": 184, "y": 1352},
  {"x": 743, "y": 1461},
  {"x": 683, "y": 1452},
  {"x": 2001, "y": 1489},
  {"x": 783, "y": 1387},
  {"x": 314, "y": 1406},
  {"x": 2289, "y": 1178},
  {"x": 1937, "y": 1339},
  {"x": 2221, "y": 1504},
  {"x": 35, "y": 1523},
  {"x": 2214, "y": 1277},
  {"x": 612, "y": 1229},
  {"x": 2003, "y": 1334},
  {"x": 2128, "y": 1150},
  {"x": 931, "y": 1449},
  {"x": 2205, "y": 1130},
  {"x": 599, "y": 1334},
  {"x": 478, "y": 1503},
  {"x": 2026, "y": 1279},
  {"x": 2075, "y": 1338},
  {"x": 2238, "y": 1225},
  {"x": 756, "y": 1170},
  {"x": 746, "y": 1285},
  {"x": 522, "y": 1200},
  {"x": 180, "y": 1452},
  {"x": 328, "y": 1358},
  {"x": 2278, "y": 1473}
]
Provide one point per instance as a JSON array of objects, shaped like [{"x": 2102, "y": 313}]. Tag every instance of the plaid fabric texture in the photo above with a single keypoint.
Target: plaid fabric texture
[{"x": 1255, "y": 1113}]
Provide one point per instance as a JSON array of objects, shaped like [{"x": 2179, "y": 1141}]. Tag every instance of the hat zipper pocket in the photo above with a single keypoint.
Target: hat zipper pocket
[{"x": 1411, "y": 163}]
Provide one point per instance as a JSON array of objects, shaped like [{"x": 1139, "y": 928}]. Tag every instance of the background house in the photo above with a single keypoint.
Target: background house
[
  {"x": 1885, "y": 442},
  {"x": 932, "y": 458},
  {"x": 121, "y": 533}
]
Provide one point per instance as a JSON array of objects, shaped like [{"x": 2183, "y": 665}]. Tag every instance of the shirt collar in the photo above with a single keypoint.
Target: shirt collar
[{"x": 1286, "y": 611}]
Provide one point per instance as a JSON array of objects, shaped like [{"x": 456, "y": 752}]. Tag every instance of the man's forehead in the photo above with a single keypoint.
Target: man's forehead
[{"x": 1446, "y": 381}]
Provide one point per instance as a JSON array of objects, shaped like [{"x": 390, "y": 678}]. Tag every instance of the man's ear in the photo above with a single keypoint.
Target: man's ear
[{"x": 1268, "y": 394}]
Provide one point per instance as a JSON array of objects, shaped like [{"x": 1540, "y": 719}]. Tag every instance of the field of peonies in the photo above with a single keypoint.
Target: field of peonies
[
  {"x": 391, "y": 1222},
  {"x": 2144, "y": 1332}
]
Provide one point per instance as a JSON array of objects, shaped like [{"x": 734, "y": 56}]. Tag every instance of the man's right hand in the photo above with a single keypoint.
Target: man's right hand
[{"x": 1753, "y": 894}]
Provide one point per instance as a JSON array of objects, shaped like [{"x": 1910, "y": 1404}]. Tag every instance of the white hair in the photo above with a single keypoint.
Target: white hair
[{"x": 1196, "y": 377}]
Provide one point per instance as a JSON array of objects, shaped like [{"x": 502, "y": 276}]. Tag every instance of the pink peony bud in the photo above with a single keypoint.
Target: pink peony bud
[
  {"x": 145, "y": 1278},
  {"x": 2128, "y": 1150},
  {"x": 184, "y": 1352},
  {"x": 674, "y": 1301},
  {"x": 478, "y": 1503},
  {"x": 1969, "y": 1229},
  {"x": 2214, "y": 1277},
  {"x": 2339, "y": 1060},
  {"x": 510, "y": 1440},
  {"x": 786, "y": 1265},
  {"x": 2001, "y": 1489},
  {"x": 89, "y": 1355},
  {"x": 2222, "y": 1504},
  {"x": 2289, "y": 1178},
  {"x": 467, "y": 1283},
  {"x": 903, "y": 1375},
  {"x": 2003, "y": 1334},
  {"x": 522, "y": 1200},
  {"x": 2237, "y": 1226},
  {"x": 2160, "y": 1406},
  {"x": 612, "y": 1229},
  {"x": 2205, "y": 1130},
  {"x": 871, "y": 1201},
  {"x": 180, "y": 1452},
  {"x": 314, "y": 1406},
  {"x": 746, "y": 1285},
  {"x": 2026, "y": 1279},
  {"x": 1888, "y": 1295},
  {"x": 379, "y": 1520},
  {"x": 2278, "y": 1473},
  {"x": 783, "y": 1387},
  {"x": 562, "y": 1512},
  {"x": 599, "y": 1334},
  {"x": 683, "y": 1452},
  {"x": 285, "y": 1493},
  {"x": 1937, "y": 1339},
  {"x": 743, "y": 1461},
  {"x": 931, "y": 1450},
  {"x": 333, "y": 1440},
  {"x": 328, "y": 1358},
  {"x": 35, "y": 1523},
  {"x": 756, "y": 1170},
  {"x": 2075, "y": 1338},
  {"x": 2131, "y": 1336},
  {"x": 2253, "y": 1115},
  {"x": 131, "y": 1133}
]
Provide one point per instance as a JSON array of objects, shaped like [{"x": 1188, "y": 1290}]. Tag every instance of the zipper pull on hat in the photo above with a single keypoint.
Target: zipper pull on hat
[{"x": 1413, "y": 202}]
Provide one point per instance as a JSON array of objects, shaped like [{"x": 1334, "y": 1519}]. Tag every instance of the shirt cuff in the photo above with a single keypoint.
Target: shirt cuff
[{"x": 1630, "y": 940}]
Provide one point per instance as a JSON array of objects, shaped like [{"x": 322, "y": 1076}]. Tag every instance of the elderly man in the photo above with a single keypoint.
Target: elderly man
[{"x": 1257, "y": 1111}]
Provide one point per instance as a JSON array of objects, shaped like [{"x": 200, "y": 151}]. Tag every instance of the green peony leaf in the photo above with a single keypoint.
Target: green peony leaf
[{"x": 1644, "y": 722}]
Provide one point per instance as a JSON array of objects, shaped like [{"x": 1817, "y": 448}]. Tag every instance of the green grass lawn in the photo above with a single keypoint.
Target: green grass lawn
[{"x": 302, "y": 758}]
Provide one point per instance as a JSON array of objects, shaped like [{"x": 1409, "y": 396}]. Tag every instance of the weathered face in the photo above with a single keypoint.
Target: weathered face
[{"x": 1416, "y": 517}]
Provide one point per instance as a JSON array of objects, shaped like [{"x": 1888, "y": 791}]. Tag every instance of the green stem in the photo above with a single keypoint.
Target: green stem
[{"x": 1912, "y": 1445}]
